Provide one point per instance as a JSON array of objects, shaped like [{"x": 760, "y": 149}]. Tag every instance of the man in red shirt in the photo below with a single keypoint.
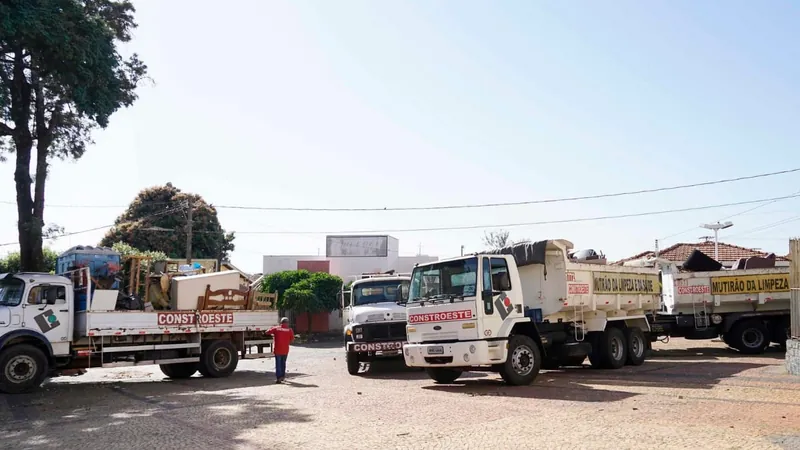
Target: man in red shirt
[{"x": 283, "y": 336}]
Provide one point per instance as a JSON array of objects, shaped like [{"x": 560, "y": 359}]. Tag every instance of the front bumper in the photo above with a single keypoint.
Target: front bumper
[
  {"x": 385, "y": 348},
  {"x": 457, "y": 354}
]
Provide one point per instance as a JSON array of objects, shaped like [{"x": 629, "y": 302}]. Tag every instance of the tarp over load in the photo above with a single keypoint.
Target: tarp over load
[{"x": 525, "y": 253}]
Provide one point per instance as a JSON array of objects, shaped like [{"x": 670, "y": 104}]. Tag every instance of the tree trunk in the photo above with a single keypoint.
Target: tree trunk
[
  {"x": 28, "y": 225},
  {"x": 30, "y": 253}
]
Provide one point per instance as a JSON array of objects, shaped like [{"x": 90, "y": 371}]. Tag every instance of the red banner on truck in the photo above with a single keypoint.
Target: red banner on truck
[
  {"x": 440, "y": 316},
  {"x": 191, "y": 318}
]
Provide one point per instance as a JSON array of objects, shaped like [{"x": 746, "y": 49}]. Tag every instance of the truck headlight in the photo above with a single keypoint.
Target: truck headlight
[{"x": 358, "y": 330}]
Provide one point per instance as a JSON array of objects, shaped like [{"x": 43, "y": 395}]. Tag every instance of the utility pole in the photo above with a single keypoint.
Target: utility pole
[
  {"x": 716, "y": 227},
  {"x": 656, "y": 248},
  {"x": 190, "y": 207},
  {"x": 462, "y": 250}
]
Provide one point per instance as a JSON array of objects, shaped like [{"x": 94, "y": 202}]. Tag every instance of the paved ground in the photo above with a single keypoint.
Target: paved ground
[{"x": 688, "y": 395}]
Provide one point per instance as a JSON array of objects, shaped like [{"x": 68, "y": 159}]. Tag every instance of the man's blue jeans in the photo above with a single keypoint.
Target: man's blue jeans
[{"x": 280, "y": 366}]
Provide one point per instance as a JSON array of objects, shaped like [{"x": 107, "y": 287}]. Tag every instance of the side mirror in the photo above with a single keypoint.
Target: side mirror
[
  {"x": 402, "y": 293},
  {"x": 51, "y": 294}
]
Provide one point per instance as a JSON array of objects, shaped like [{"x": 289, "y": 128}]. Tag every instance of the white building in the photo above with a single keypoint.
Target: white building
[{"x": 349, "y": 256}]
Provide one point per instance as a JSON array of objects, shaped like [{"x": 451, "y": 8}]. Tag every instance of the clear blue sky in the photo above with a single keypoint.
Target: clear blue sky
[{"x": 408, "y": 103}]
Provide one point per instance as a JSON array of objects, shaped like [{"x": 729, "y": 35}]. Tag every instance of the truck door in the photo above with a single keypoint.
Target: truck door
[
  {"x": 45, "y": 309},
  {"x": 496, "y": 304},
  {"x": 345, "y": 300}
]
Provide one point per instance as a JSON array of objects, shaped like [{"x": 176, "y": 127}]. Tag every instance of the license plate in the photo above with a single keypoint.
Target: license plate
[{"x": 436, "y": 350}]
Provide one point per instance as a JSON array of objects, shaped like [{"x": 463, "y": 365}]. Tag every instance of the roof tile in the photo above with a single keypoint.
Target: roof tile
[{"x": 727, "y": 252}]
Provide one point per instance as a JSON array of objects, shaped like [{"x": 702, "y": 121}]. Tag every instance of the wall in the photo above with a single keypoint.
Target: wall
[
  {"x": 280, "y": 263},
  {"x": 793, "y": 343},
  {"x": 346, "y": 268}
]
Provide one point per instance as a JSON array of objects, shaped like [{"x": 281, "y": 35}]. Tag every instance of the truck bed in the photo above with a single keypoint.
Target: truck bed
[
  {"x": 122, "y": 323},
  {"x": 728, "y": 290}
]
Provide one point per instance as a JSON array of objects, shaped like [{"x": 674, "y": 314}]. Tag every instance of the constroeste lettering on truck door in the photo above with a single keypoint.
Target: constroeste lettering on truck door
[{"x": 447, "y": 316}]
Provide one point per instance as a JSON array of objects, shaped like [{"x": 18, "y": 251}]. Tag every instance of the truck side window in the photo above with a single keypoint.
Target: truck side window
[
  {"x": 38, "y": 295},
  {"x": 486, "y": 294},
  {"x": 501, "y": 280}
]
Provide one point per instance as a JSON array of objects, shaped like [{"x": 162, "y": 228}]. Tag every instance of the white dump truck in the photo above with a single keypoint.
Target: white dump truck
[
  {"x": 747, "y": 308},
  {"x": 42, "y": 334},
  {"x": 525, "y": 307},
  {"x": 375, "y": 321}
]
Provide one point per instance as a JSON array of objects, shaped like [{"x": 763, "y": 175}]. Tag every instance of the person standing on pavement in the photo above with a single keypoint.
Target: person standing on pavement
[{"x": 283, "y": 336}]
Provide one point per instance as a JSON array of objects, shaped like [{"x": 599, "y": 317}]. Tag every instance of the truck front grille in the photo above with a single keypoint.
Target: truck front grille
[{"x": 382, "y": 331}]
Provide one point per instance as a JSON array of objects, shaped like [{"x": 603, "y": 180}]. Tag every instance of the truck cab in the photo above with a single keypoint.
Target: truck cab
[
  {"x": 375, "y": 318},
  {"x": 36, "y": 325}
]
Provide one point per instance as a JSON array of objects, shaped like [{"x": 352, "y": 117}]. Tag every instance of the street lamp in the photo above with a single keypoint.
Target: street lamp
[{"x": 716, "y": 227}]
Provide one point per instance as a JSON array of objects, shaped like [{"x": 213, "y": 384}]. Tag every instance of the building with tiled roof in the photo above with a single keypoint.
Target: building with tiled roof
[{"x": 728, "y": 253}]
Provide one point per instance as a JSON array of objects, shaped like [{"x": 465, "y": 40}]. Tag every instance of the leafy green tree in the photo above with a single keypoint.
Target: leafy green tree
[
  {"x": 304, "y": 292},
  {"x": 281, "y": 281},
  {"x": 13, "y": 262},
  {"x": 61, "y": 76},
  {"x": 156, "y": 222}
]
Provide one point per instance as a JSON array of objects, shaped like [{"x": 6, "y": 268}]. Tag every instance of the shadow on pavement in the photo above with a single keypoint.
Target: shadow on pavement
[
  {"x": 396, "y": 369},
  {"x": 586, "y": 384},
  {"x": 774, "y": 352},
  {"x": 203, "y": 411}
]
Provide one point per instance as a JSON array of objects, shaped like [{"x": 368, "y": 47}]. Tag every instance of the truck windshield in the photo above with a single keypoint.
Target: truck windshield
[
  {"x": 448, "y": 279},
  {"x": 11, "y": 290},
  {"x": 375, "y": 292}
]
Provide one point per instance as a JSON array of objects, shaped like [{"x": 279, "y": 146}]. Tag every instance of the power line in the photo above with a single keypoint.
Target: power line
[
  {"x": 767, "y": 226},
  {"x": 731, "y": 216},
  {"x": 160, "y": 213},
  {"x": 473, "y": 227},
  {"x": 471, "y": 206},
  {"x": 546, "y": 222}
]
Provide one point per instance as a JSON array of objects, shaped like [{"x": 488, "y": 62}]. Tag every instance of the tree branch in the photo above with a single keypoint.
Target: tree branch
[{"x": 6, "y": 130}]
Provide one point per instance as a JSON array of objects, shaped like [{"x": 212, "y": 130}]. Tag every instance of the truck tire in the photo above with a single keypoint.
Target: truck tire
[
  {"x": 22, "y": 368},
  {"x": 749, "y": 337},
  {"x": 726, "y": 338},
  {"x": 443, "y": 375},
  {"x": 523, "y": 362},
  {"x": 219, "y": 359},
  {"x": 612, "y": 348},
  {"x": 178, "y": 371},
  {"x": 353, "y": 363},
  {"x": 637, "y": 346}
]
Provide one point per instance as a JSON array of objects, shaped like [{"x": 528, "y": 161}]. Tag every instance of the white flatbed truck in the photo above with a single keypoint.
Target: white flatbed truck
[
  {"x": 42, "y": 335},
  {"x": 525, "y": 307}
]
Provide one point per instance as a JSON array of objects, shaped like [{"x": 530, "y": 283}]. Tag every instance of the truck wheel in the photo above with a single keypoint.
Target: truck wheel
[
  {"x": 353, "y": 364},
  {"x": 22, "y": 368},
  {"x": 637, "y": 347},
  {"x": 442, "y": 375},
  {"x": 595, "y": 357},
  {"x": 523, "y": 362},
  {"x": 178, "y": 371},
  {"x": 613, "y": 349},
  {"x": 219, "y": 359},
  {"x": 726, "y": 338},
  {"x": 749, "y": 337}
]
